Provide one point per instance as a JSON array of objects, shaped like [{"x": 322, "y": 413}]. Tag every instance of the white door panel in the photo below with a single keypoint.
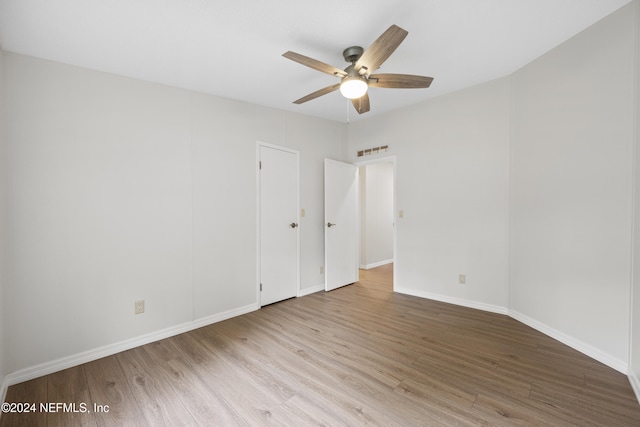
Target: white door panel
[
  {"x": 341, "y": 223},
  {"x": 279, "y": 232}
]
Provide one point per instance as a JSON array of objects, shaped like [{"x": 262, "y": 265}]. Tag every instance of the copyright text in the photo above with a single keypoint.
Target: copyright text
[{"x": 52, "y": 407}]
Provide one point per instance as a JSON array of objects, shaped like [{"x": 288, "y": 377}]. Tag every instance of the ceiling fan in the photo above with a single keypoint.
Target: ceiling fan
[{"x": 358, "y": 77}]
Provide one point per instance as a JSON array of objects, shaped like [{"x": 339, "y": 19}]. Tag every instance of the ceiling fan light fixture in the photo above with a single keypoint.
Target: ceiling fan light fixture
[
  {"x": 357, "y": 77},
  {"x": 353, "y": 87}
]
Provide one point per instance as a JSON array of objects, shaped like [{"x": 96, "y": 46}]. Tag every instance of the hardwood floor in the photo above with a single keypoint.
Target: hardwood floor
[{"x": 357, "y": 355}]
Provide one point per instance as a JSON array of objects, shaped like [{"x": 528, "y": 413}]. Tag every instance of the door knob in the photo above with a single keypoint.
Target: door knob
[
  {"x": 293, "y": 225},
  {"x": 330, "y": 225}
]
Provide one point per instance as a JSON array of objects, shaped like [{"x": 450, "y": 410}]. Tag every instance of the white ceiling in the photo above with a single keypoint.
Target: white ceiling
[{"x": 233, "y": 48}]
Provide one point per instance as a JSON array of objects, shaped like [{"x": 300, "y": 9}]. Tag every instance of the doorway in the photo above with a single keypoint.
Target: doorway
[{"x": 377, "y": 213}]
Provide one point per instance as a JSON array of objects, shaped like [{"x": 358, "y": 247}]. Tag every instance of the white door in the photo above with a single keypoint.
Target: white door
[
  {"x": 341, "y": 223},
  {"x": 279, "y": 237}
]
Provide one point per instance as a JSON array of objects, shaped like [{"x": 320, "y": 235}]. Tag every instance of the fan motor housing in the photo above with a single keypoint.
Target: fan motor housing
[{"x": 353, "y": 53}]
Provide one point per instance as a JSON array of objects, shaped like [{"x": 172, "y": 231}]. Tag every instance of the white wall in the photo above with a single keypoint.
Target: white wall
[
  {"x": 376, "y": 214},
  {"x": 99, "y": 196},
  {"x": 120, "y": 190},
  {"x": 571, "y": 181},
  {"x": 451, "y": 183}
]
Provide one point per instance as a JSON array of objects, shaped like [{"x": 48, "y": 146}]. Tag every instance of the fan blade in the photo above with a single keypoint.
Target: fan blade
[
  {"x": 400, "y": 81},
  {"x": 361, "y": 104},
  {"x": 315, "y": 64},
  {"x": 318, "y": 93},
  {"x": 380, "y": 50}
]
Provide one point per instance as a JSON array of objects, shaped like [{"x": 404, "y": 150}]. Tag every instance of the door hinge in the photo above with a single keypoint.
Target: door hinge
[
  {"x": 260, "y": 162},
  {"x": 260, "y": 287}
]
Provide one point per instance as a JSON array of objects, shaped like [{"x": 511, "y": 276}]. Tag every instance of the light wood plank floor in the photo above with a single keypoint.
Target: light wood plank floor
[{"x": 357, "y": 355}]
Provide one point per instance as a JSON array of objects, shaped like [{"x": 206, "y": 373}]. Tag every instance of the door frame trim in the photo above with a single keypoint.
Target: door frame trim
[{"x": 260, "y": 144}]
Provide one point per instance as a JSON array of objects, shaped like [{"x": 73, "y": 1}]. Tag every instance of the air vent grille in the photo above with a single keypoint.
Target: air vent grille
[{"x": 374, "y": 150}]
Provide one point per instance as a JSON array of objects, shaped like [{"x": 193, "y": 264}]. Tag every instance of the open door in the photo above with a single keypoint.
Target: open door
[{"x": 341, "y": 223}]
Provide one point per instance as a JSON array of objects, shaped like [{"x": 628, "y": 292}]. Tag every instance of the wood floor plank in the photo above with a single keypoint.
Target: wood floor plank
[
  {"x": 192, "y": 389},
  {"x": 70, "y": 386},
  {"x": 325, "y": 380},
  {"x": 68, "y": 382},
  {"x": 504, "y": 410},
  {"x": 155, "y": 397},
  {"x": 251, "y": 392},
  {"x": 30, "y": 393},
  {"x": 439, "y": 402},
  {"x": 358, "y": 355},
  {"x": 110, "y": 392},
  {"x": 307, "y": 410},
  {"x": 592, "y": 405}
]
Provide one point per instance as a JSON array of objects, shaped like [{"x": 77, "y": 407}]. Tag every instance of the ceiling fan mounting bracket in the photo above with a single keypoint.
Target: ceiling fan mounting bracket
[{"x": 352, "y": 54}]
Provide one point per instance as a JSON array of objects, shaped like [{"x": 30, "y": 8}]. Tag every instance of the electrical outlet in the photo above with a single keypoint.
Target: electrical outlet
[
  {"x": 321, "y": 269},
  {"x": 139, "y": 307},
  {"x": 462, "y": 278}
]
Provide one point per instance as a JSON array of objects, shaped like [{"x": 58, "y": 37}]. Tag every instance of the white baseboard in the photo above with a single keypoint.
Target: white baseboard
[
  {"x": 32, "y": 372},
  {"x": 3, "y": 390},
  {"x": 635, "y": 382},
  {"x": 452, "y": 300},
  {"x": 594, "y": 353},
  {"x": 311, "y": 290},
  {"x": 376, "y": 264}
]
